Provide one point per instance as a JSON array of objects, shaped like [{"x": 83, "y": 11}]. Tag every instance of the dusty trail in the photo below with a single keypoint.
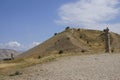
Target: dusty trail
[{"x": 85, "y": 67}]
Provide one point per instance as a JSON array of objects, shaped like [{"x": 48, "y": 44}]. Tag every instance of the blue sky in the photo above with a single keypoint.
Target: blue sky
[{"x": 25, "y": 23}]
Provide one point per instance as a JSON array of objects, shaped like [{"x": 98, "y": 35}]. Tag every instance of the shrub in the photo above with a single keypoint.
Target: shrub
[
  {"x": 61, "y": 52},
  {"x": 83, "y": 50},
  {"x": 16, "y": 73},
  {"x": 68, "y": 38},
  {"x": 90, "y": 45},
  {"x": 39, "y": 57},
  {"x": 87, "y": 42},
  {"x": 58, "y": 40},
  {"x": 7, "y": 59},
  {"x": 55, "y": 34},
  {"x": 82, "y": 36},
  {"x": 112, "y": 50},
  {"x": 67, "y": 28},
  {"x": 79, "y": 29}
]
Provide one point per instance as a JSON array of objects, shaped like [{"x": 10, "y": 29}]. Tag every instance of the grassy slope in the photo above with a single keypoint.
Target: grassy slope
[
  {"x": 69, "y": 41},
  {"x": 74, "y": 41}
]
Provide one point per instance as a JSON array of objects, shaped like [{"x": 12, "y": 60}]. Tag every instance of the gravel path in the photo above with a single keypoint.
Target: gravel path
[{"x": 86, "y": 67}]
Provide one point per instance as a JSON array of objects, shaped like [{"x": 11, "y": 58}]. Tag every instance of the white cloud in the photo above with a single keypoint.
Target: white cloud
[
  {"x": 29, "y": 46},
  {"x": 34, "y": 44},
  {"x": 90, "y": 13},
  {"x": 113, "y": 27},
  {"x": 11, "y": 45}
]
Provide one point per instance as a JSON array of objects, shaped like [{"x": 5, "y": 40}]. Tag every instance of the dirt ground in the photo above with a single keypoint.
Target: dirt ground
[{"x": 85, "y": 67}]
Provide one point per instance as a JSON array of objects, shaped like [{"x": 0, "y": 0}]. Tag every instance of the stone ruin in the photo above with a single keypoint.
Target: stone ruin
[{"x": 107, "y": 40}]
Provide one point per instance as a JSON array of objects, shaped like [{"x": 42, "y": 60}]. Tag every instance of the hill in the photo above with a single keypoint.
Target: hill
[
  {"x": 6, "y": 53},
  {"x": 79, "y": 67},
  {"x": 75, "y": 40}
]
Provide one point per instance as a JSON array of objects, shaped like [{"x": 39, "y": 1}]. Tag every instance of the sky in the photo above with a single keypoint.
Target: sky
[{"x": 27, "y": 23}]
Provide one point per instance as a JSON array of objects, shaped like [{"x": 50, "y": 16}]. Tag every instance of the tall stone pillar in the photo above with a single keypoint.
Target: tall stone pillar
[
  {"x": 107, "y": 41},
  {"x": 12, "y": 56}
]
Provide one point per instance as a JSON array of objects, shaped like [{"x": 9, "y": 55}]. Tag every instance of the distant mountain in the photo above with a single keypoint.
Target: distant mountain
[
  {"x": 6, "y": 53},
  {"x": 75, "y": 40}
]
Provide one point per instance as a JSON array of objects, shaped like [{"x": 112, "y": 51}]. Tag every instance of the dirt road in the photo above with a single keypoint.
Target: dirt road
[{"x": 85, "y": 67}]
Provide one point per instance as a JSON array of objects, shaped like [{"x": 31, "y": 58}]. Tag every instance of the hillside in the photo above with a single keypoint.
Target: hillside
[
  {"x": 75, "y": 40},
  {"x": 6, "y": 53},
  {"x": 77, "y": 67}
]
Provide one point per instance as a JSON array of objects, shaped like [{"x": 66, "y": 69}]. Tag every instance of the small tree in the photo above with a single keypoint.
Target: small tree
[
  {"x": 16, "y": 73},
  {"x": 67, "y": 28},
  {"x": 81, "y": 36},
  {"x": 79, "y": 29},
  {"x": 112, "y": 50},
  {"x": 61, "y": 52},
  {"x": 83, "y": 50},
  {"x": 55, "y": 34},
  {"x": 68, "y": 38},
  {"x": 87, "y": 42},
  {"x": 39, "y": 57}
]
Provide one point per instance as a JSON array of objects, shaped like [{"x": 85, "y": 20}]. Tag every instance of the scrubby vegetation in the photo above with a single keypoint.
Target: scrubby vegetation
[
  {"x": 55, "y": 34},
  {"x": 61, "y": 52},
  {"x": 67, "y": 28},
  {"x": 39, "y": 57},
  {"x": 16, "y": 73},
  {"x": 66, "y": 43}
]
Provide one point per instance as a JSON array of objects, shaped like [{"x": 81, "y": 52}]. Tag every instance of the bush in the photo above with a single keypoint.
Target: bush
[
  {"x": 87, "y": 42},
  {"x": 7, "y": 59},
  {"x": 55, "y": 34},
  {"x": 83, "y": 50},
  {"x": 82, "y": 36},
  {"x": 16, "y": 73},
  {"x": 68, "y": 38},
  {"x": 112, "y": 50},
  {"x": 61, "y": 52},
  {"x": 39, "y": 57},
  {"x": 58, "y": 40},
  {"x": 67, "y": 28},
  {"x": 79, "y": 29}
]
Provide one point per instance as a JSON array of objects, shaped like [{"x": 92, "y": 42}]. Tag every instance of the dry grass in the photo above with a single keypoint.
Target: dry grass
[
  {"x": 5, "y": 65},
  {"x": 10, "y": 66},
  {"x": 91, "y": 41}
]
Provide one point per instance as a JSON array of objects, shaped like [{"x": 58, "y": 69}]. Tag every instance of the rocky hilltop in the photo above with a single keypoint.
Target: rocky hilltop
[{"x": 75, "y": 40}]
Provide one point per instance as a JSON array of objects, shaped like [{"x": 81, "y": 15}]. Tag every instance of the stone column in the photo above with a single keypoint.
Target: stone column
[
  {"x": 12, "y": 56},
  {"x": 107, "y": 41}
]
